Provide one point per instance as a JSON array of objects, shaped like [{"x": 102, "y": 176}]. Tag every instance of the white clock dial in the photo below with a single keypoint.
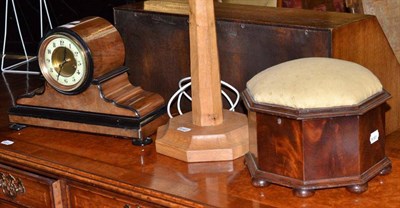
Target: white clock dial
[{"x": 63, "y": 62}]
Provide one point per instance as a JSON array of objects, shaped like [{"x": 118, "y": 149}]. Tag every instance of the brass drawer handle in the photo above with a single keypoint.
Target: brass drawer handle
[{"x": 10, "y": 185}]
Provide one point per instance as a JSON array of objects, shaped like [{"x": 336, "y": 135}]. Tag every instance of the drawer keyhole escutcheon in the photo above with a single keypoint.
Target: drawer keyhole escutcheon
[{"x": 11, "y": 186}]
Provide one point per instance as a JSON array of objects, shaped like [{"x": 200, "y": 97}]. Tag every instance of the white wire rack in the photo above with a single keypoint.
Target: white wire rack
[{"x": 11, "y": 68}]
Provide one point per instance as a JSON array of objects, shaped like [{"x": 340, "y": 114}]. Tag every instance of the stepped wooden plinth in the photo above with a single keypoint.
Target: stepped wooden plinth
[
  {"x": 111, "y": 105},
  {"x": 226, "y": 141}
]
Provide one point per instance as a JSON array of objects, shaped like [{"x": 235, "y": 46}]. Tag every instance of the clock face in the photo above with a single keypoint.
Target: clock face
[{"x": 63, "y": 62}]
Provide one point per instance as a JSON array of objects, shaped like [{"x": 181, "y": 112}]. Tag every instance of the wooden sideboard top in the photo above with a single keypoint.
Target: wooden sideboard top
[{"x": 114, "y": 164}]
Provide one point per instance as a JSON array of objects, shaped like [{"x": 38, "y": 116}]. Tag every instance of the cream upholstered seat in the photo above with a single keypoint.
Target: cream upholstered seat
[{"x": 314, "y": 83}]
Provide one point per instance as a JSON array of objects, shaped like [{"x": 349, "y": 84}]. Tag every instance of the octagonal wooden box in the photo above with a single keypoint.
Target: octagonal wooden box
[{"x": 309, "y": 149}]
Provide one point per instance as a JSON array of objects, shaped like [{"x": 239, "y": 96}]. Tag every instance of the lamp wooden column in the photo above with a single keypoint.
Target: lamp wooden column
[{"x": 208, "y": 133}]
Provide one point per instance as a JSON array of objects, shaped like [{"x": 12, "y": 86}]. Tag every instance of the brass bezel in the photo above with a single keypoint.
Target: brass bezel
[{"x": 45, "y": 71}]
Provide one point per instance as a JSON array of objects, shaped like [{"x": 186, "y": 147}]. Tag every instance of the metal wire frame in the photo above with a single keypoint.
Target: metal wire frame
[{"x": 11, "y": 68}]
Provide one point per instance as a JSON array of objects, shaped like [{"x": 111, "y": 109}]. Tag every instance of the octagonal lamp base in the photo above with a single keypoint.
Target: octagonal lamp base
[{"x": 183, "y": 140}]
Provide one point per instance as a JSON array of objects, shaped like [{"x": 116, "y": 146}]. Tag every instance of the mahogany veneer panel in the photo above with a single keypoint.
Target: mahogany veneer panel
[
  {"x": 4, "y": 204},
  {"x": 112, "y": 107},
  {"x": 309, "y": 149},
  {"x": 85, "y": 196},
  {"x": 113, "y": 165},
  {"x": 116, "y": 165},
  {"x": 319, "y": 148},
  {"x": 251, "y": 39},
  {"x": 37, "y": 190}
]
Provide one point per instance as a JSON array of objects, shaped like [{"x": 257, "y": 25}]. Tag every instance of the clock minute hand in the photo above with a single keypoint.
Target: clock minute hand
[
  {"x": 65, "y": 54},
  {"x": 61, "y": 66}
]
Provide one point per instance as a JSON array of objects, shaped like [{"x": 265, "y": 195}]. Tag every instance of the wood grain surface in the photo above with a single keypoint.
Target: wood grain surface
[
  {"x": 113, "y": 97},
  {"x": 139, "y": 173},
  {"x": 104, "y": 42},
  {"x": 213, "y": 134},
  {"x": 226, "y": 141},
  {"x": 251, "y": 39},
  {"x": 204, "y": 65},
  {"x": 388, "y": 14}
]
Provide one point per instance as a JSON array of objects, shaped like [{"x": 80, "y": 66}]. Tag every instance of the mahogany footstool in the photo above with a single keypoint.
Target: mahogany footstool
[{"x": 316, "y": 123}]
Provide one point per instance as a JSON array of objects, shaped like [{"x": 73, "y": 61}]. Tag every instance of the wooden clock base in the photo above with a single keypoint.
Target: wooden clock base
[
  {"x": 183, "y": 140},
  {"x": 111, "y": 106}
]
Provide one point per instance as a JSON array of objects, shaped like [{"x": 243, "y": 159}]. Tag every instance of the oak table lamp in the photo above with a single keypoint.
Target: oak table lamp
[{"x": 208, "y": 133}]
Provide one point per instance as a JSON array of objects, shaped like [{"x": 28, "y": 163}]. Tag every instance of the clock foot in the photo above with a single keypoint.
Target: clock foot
[
  {"x": 303, "y": 193},
  {"x": 358, "y": 189},
  {"x": 16, "y": 126},
  {"x": 142, "y": 142}
]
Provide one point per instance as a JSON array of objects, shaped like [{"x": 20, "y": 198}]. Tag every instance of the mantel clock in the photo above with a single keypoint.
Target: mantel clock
[{"x": 87, "y": 87}]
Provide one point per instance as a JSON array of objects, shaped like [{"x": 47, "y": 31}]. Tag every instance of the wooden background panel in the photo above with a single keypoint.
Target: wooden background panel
[
  {"x": 251, "y": 39},
  {"x": 246, "y": 49},
  {"x": 158, "y": 49},
  {"x": 388, "y": 14},
  {"x": 356, "y": 43}
]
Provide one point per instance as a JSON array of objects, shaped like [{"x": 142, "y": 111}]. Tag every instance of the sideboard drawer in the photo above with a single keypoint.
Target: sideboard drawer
[
  {"x": 24, "y": 188},
  {"x": 82, "y": 196},
  {"x": 5, "y": 204}
]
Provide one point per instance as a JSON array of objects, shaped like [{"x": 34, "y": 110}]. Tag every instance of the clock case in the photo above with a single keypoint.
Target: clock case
[{"x": 109, "y": 104}]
